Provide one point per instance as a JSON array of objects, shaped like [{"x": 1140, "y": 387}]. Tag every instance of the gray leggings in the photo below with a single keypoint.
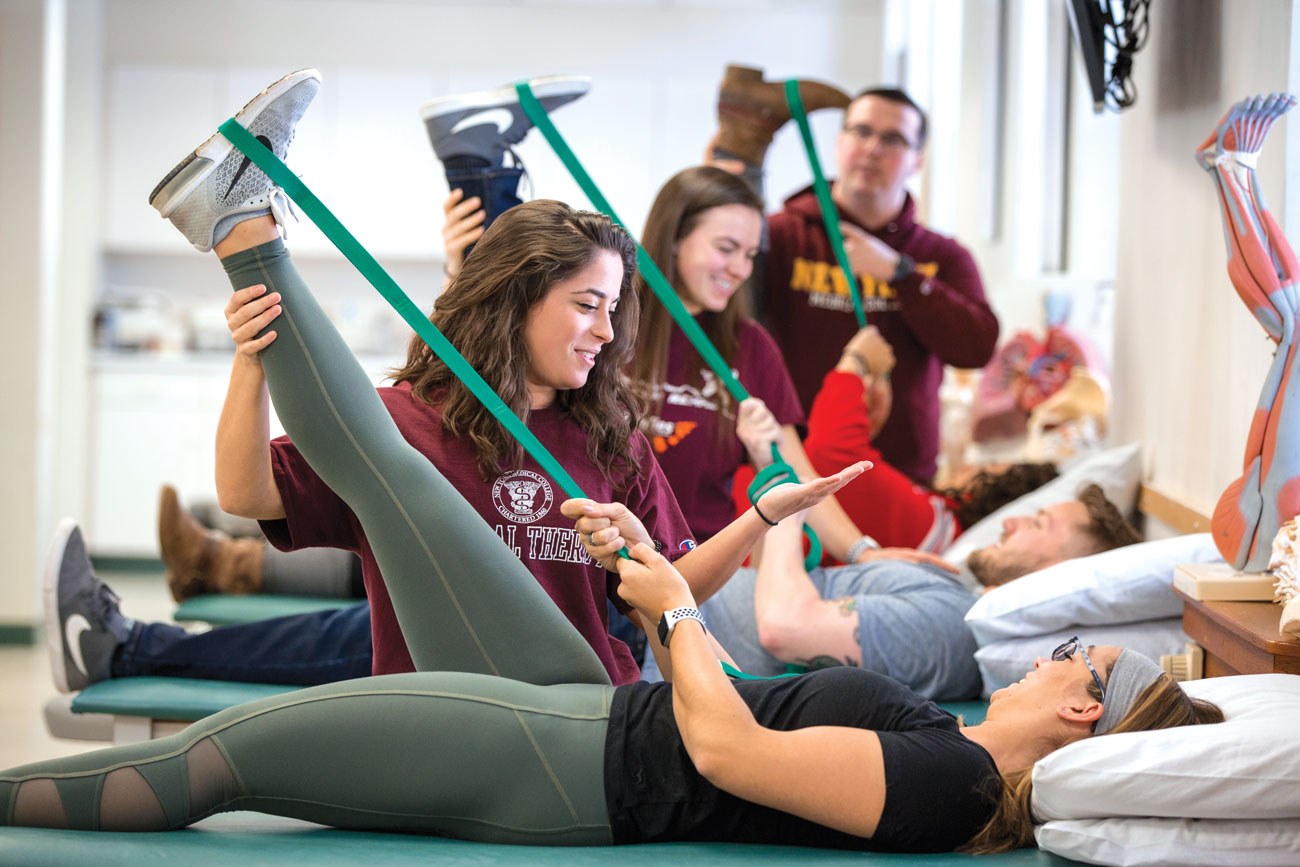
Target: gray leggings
[{"x": 499, "y": 736}]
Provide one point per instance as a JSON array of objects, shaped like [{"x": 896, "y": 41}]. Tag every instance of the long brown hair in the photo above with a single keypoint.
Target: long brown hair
[
  {"x": 676, "y": 212},
  {"x": 524, "y": 253},
  {"x": 1161, "y": 705}
]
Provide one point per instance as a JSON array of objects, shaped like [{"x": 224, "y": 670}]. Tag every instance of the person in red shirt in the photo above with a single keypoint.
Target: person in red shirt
[
  {"x": 851, "y": 405},
  {"x": 886, "y": 503}
]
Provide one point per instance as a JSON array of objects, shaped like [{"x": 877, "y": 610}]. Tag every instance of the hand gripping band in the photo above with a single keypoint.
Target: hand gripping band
[
  {"x": 779, "y": 471},
  {"x": 352, "y": 250},
  {"x": 830, "y": 217}
]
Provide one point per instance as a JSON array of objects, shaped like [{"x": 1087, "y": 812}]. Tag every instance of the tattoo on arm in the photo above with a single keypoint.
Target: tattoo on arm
[{"x": 846, "y": 606}]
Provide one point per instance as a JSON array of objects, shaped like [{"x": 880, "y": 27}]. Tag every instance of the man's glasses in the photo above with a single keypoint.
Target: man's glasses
[
  {"x": 889, "y": 139},
  {"x": 1067, "y": 650}
]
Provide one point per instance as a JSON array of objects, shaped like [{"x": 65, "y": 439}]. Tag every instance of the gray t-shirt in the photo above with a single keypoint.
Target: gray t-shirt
[{"x": 911, "y": 625}]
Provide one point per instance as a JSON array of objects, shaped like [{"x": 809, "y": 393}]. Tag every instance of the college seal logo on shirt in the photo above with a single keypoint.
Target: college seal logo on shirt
[{"x": 522, "y": 496}]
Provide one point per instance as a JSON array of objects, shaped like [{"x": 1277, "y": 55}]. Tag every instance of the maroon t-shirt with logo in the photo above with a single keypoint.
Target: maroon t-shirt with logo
[
  {"x": 523, "y": 506},
  {"x": 700, "y": 453}
]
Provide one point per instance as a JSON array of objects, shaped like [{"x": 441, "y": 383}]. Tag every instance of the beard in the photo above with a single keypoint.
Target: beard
[{"x": 992, "y": 567}]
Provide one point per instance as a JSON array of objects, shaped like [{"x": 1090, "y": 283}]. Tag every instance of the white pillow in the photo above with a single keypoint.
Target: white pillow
[
  {"x": 1117, "y": 470},
  {"x": 1245, "y": 768},
  {"x": 1005, "y": 662},
  {"x": 1193, "y": 842},
  {"x": 1122, "y": 585}
]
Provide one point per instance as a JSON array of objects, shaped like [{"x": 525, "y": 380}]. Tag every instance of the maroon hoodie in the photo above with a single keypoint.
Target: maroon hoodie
[{"x": 937, "y": 315}]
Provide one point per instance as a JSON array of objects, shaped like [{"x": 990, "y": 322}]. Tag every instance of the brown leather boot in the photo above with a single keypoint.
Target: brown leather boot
[
  {"x": 751, "y": 110},
  {"x": 200, "y": 560}
]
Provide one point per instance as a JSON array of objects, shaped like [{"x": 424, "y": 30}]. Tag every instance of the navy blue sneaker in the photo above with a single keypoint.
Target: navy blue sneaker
[
  {"x": 483, "y": 124},
  {"x": 83, "y": 625},
  {"x": 472, "y": 133}
]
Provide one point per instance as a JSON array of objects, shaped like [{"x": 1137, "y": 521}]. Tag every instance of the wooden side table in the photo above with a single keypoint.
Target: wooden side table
[{"x": 1239, "y": 637}]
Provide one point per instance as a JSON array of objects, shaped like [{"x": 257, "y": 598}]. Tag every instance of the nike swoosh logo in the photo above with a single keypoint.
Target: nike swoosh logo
[
  {"x": 73, "y": 627},
  {"x": 244, "y": 165},
  {"x": 502, "y": 118}
]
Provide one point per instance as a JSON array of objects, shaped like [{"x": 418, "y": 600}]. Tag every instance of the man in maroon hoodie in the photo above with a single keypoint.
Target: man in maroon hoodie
[{"x": 922, "y": 290}]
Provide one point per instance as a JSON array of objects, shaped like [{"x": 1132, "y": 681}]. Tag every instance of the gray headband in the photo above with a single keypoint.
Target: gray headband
[{"x": 1131, "y": 674}]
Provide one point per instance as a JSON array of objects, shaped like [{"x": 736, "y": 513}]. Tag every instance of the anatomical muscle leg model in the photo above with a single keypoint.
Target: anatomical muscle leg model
[{"x": 1263, "y": 269}]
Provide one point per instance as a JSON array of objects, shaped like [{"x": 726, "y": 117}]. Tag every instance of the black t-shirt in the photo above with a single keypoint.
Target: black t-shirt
[{"x": 939, "y": 785}]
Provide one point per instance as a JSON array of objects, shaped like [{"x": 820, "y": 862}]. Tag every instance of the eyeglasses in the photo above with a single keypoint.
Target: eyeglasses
[
  {"x": 1066, "y": 650},
  {"x": 889, "y": 139}
]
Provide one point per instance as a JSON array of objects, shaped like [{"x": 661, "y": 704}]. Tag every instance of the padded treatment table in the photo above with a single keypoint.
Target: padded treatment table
[
  {"x": 133, "y": 709},
  {"x": 254, "y": 839},
  {"x": 225, "y": 609}
]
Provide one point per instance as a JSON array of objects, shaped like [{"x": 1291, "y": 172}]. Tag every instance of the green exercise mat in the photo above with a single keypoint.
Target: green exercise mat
[{"x": 252, "y": 839}]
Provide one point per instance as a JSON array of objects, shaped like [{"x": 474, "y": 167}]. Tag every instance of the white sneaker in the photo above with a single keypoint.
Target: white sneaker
[{"x": 216, "y": 187}]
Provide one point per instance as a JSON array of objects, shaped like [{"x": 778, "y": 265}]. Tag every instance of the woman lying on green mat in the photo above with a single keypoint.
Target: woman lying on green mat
[{"x": 553, "y": 754}]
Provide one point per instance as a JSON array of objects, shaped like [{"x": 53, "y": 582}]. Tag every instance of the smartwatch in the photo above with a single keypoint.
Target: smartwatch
[
  {"x": 906, "y": 265},
  {"x": 670, "y": 620},
  {"x": 866, "y": 543}
]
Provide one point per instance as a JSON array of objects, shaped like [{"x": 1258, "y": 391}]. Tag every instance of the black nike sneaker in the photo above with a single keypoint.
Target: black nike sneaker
[
  {"x": 216, "y": 187},
  {"x": 485, "y": 123}
]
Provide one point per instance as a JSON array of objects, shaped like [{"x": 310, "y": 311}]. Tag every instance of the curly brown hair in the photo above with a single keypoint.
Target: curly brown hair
[
  {"x": 987, "y": 491},
  {"x": 524, "y": 253},
  {"x": 1107, "y": 526}
]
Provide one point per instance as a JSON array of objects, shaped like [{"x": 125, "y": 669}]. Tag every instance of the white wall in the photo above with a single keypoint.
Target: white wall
[
  {"x": 1141, "y": 231},
  {"x": 21, "y": 61},
  {"x": 655, "y": 64}
]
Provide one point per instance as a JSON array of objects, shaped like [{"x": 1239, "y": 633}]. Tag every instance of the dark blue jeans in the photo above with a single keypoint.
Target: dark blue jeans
[
  {"x": 299, "y": 650},
  {"x": 497, "y": 187}
]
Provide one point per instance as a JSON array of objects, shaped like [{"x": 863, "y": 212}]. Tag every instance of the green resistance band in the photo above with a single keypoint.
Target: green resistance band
[
  {"x": 351, "y": 248},
  {"x": 830, "y": 217},
  {"x": 736, "y": 674},
  {"x": 778, "y": 472}
]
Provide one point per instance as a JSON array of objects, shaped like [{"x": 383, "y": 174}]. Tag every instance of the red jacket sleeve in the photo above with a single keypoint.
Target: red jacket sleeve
[{"x": 839, "y": 430}]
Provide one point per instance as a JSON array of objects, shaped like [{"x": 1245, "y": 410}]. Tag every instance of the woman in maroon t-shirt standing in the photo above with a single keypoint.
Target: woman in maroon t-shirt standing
[{"x": 703, "y": 231}]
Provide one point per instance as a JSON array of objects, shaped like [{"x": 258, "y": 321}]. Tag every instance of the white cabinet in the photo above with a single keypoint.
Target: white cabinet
[
  {"x": 151, "y": 424},
  {"x": 154, "y": 422}
]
